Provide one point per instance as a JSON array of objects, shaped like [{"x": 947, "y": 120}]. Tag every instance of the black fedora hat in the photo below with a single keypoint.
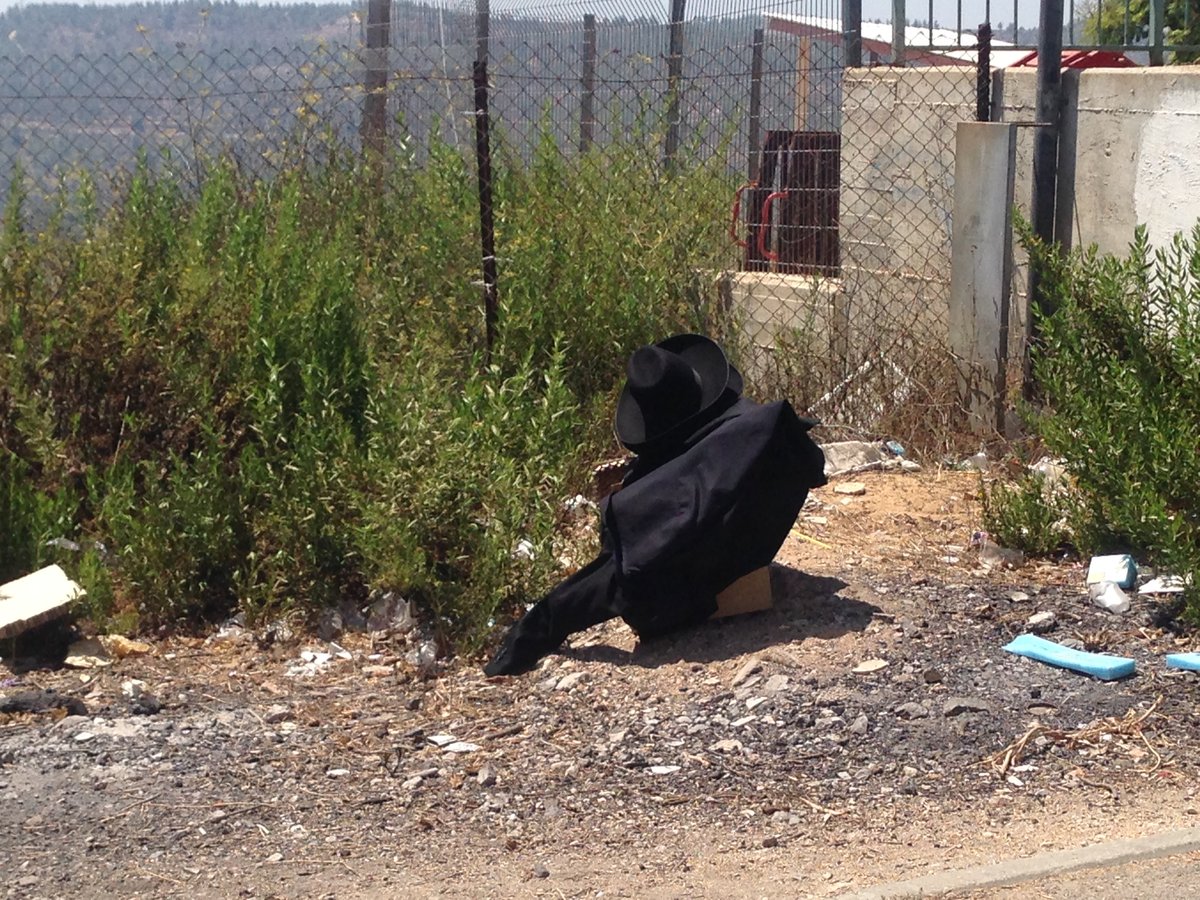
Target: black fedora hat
[{"x": 670, "y": 385}]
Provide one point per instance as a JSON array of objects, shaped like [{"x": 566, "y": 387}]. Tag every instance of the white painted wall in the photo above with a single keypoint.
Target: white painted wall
[{"x": 1137, "y": 151}]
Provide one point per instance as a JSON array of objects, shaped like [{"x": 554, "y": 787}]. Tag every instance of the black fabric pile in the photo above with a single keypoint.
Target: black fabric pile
[{"x": 717, "y": 484}]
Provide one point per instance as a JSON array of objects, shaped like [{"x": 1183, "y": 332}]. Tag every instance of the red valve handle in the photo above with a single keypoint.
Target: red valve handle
[
  {"x": 765, "y": 227},
  {"x": 737, "y": 213}
]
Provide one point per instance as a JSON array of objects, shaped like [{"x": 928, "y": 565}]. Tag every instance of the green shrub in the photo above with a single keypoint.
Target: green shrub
[
  {"x": 1025, "y": 515},
  {"x": 271, "y": 396},
  {"x": 1118, "y": 366}
]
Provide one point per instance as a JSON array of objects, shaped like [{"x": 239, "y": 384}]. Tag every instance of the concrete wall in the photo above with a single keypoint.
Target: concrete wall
[
  {"x": 1135, "y": 137},
  {"x": 897, "y": 195},
  {"x": 889, "y": 306},
  {"x": 1132, "y": 135},
  {"x": 1137, "y": 150}
]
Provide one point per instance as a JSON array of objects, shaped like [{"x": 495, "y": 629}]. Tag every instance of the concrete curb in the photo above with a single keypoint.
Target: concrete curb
[{"x": 1014, "y": 871}]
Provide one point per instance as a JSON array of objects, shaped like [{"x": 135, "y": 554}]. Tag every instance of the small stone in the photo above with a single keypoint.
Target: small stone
[
  {"x": 1018, "y": 596},
  {"x": 663, "y": 770},
  {"x": 486, "y": 776},
  {"x": 145, "y": 704},
  {"x": 859, "y": 725},
  {"x": 908, "y": 465},
  {"x": 540, "y": 871},
  {"x": 932, "y": 676},
  {"x": 377, "y": 671},
  {"x": 728, "y": 745},
  {"x": 411, "y": 783},
  {"x": 218, "y": 815},
  {"x": 276, "y": 714},
  {"x": 1041, "y": 622},
  {"x": 909, "y": 772},
  {"x": 337, "y": 773},
  {"x": 275, "y": 857},
  {"x": 27, "y": 881},
  {"x": 851, "y": 488},
  {"x": 755, "y": 702},
  {"x": 769, "y": 842},
  {"x": 869, "y": 665},
  {"x": 775, "y": 684},
  {"x": 83, "y": 737},
  {"x": 749, "y": 668},
  {"x": 461, "y": 747},
  {"x": 912, "y": 711},
  {"x": 955, "y": 706},
  {"x": 569, "y": 681}
]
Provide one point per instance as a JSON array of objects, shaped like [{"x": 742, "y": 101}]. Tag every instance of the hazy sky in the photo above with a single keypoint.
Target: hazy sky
[{"x": 944, "y": 11}]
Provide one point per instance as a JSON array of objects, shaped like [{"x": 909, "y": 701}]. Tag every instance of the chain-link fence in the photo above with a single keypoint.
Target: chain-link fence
[{"x": 822, "y": 233}]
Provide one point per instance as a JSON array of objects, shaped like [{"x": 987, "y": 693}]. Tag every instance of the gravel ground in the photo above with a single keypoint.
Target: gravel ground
[{"x": 856, "y": 732}]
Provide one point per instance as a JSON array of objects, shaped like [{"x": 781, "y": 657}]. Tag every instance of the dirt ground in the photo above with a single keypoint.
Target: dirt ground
[{"x": 868, "y": 728}]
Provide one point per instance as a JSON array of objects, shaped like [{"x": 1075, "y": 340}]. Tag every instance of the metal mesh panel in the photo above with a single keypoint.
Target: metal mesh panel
[{"x": 832, "y": 285}]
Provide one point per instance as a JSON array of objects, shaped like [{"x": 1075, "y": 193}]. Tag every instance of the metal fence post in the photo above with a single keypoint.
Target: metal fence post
[
  {"x": 374, "y": 120},
  {"x": 674, "y": 84},
  {"x": 483, "y": 160},
  {"x": 852, "y": 33},
  {"x": 983, "y": 74},
  {"x": 1045, "y": 162},
  {"x": 587, "y": 105},
  {"x": 1158, "y": 19},
  {"x": 899, "y": 24},
  {"x": 483, "y": 27},
  {"x": 754, "y": 138}
]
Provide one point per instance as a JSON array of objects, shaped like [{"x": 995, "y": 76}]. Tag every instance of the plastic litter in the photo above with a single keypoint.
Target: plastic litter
[
  {"x": 1099, "y": 665},
  {"x": 311, "y": 662},
  {"x": 1189, "y": 661},
  {"x": 1108, "y": 595},
  {"x": 1166, "y": 584},
  {"x": 1120, "y": 569},
  {"x": 423, "y": 657}
]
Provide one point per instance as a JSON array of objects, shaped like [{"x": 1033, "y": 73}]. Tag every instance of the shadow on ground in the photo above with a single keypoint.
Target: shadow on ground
[{"x": 806, "y": 607}]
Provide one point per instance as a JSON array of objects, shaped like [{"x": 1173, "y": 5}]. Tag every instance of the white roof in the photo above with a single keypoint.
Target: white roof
[{"x": 917, "y": 38}]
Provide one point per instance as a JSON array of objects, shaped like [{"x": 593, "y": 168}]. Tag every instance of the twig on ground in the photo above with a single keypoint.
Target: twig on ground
[{"x": 1130, "y": 725}]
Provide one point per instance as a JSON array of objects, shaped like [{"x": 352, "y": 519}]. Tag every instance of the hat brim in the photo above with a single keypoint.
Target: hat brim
[{"x": 707, "y": 358}]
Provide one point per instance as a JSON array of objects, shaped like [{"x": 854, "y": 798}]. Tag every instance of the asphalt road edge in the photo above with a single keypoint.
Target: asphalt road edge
[{"x": 1015, "y": 871}]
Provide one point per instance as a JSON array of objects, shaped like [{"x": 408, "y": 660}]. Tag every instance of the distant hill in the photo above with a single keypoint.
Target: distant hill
[{"x": 70, "y": 29}]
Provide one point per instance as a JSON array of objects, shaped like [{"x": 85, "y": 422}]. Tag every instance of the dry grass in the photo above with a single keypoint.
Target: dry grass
[{"x": 1132, "y": 724}]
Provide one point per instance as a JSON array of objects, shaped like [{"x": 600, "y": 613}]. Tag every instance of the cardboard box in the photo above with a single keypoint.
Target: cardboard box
[{"x": 750, "y": 593}]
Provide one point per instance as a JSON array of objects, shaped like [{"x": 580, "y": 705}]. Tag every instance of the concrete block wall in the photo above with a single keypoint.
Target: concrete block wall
[
  {"x": 897, "y": 195},
  {"x": 1136, "y": 140},
  {"x": 1132, "y": 134}
]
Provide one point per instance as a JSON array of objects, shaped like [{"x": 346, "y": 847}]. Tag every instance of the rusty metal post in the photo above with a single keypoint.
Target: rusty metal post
[
  {"x": 375, "y": 83},
  {"x": 983, "y": 74},
  {"x": 674, "y": 85},
  {"x": 587, "y": 105},
  {"x": 754, "y": 139}
]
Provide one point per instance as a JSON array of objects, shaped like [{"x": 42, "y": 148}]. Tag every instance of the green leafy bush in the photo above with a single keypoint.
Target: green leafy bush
[
  {"x": 270, "y": 396},
  {"x": 1118, "y": 365},
  {"x": 1026, "y": 515}
]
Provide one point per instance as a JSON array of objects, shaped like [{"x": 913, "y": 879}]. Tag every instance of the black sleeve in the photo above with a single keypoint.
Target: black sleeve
[{"x": 588, "y": 597}]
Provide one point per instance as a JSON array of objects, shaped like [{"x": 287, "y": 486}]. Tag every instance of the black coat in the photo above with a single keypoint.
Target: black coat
[{"x": 689, "y": 520}]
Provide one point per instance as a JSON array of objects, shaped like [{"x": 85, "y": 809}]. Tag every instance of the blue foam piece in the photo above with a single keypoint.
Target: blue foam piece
[
  {"x": 1100, "y": 665},
  {"x": 1184, "y": 661}
]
